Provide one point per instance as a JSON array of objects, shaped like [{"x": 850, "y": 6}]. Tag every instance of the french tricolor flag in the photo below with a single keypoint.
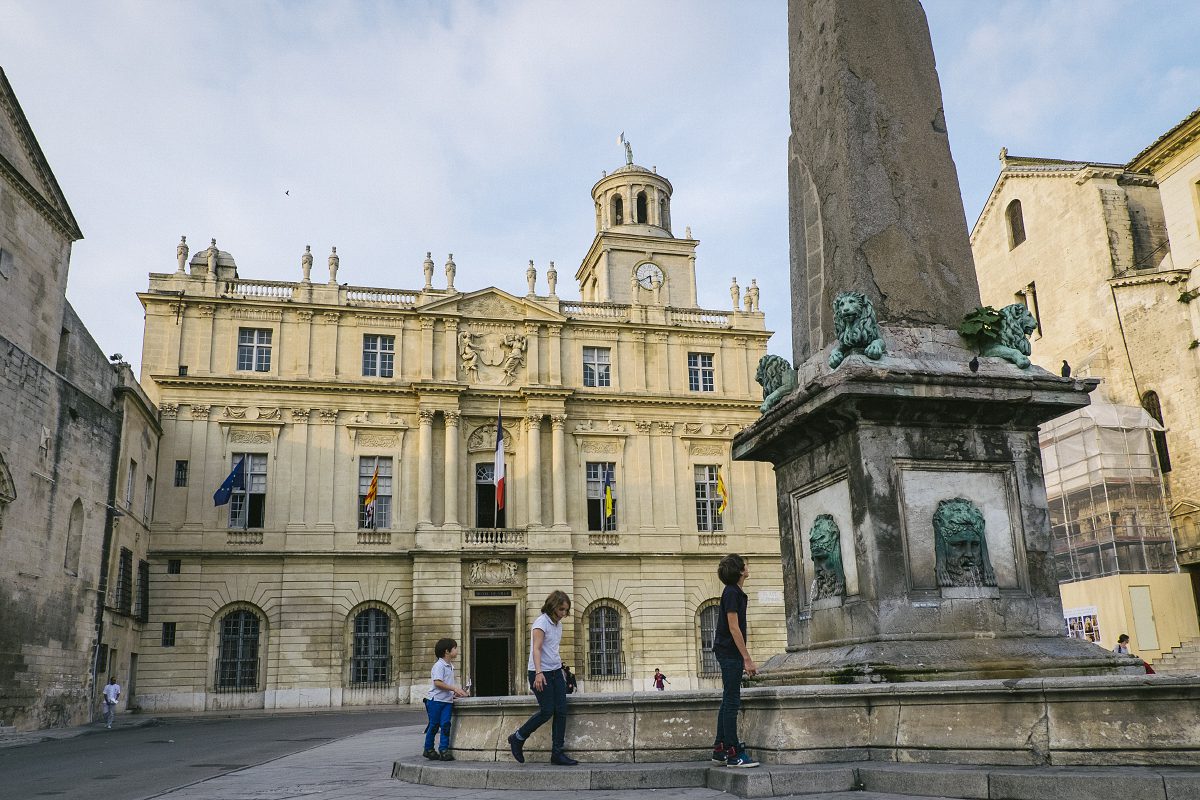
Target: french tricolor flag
[{"x": 499, "y": 466}]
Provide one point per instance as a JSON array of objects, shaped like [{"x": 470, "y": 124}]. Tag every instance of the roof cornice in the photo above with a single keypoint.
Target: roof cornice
[{"x": 1165, "y": 147}]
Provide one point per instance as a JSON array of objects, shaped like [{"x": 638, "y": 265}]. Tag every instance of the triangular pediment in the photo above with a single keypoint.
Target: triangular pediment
[
  {"x": 1184, "y": 507},
  {"x": 494, "y": 304},
  {"x": 23, "y": 164}
]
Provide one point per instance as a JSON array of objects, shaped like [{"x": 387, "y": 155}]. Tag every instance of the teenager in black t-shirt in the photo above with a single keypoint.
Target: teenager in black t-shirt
[{"x": 729, "y": 647}]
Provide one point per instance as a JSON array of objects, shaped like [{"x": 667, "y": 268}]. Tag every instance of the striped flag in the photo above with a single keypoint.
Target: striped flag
[
  {"x": 498, "y": 475},
  {"x": 723, "y": 493},
  {"x": 369, "y": 500}
]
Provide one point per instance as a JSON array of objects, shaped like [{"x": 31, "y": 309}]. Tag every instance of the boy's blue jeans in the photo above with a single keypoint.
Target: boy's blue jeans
[
  {"x": 552, "y": 704},
  {"x": 439, "y": 717},
  {"x": 731, "y": 700}
]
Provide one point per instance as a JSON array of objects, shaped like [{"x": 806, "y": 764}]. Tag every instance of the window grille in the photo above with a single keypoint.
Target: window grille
[
  {"x": 237, "y": 662},
  {"x": 604, "y": 643},
  {"x": 383, "y": 491},
  {"x": 248, "y": 506},
  {"x": 181, "y": 473},
  {"x": 597, "y": 366},
  {"x": 708, "y": 633},
  {"x": 143, "y": 594},
  {"x": 369, "y": 665},
  {"x": 701, "y": 377},
  {"x": 125, "y": 581},
  {"x": 174, "y": 566},
  {"x": 168, "y": 634},
  {"x": 254, "y": 349},
  {"x": 708, "y": 519},
  {"x": 379, "y": 355}
]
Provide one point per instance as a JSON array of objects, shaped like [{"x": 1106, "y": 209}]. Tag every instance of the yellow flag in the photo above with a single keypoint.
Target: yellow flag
[{"x": 723, "y": 493}]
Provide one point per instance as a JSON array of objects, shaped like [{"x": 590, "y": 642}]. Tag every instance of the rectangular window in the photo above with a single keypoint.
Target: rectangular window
[
  {"x": 486, "y": 513},
  {"x": 142, "y": 612},
  {"x": 598, "y": 519},
  {"x": 254, "y": 349},
  {"x": 102, "y": 660},
  {"x": 181, "y": 473},
  {"x": 700, "y": 372},
  {"x": 383, "y": 491},
  {"x": 168, "y": 634},
  {"x": 148, "y": 501},
  {"x": 124, "y": 596},
  {"x": 708, "y": 519},
  {"x": 248, "y": 506},
  {"x": 174, "y": 566},
  {"x": 379, "y": 355},
  {"x": 6, "y": 264},
  {"x": 183, "y": 370},
  {"x": 597, "y": 366},
  {"x": 129, "y": 483}
]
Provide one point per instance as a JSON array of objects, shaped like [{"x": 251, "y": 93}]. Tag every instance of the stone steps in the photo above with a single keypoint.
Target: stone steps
[
  {"x": 846, "y": 781},
  {"x": 1181, "y": 660}
]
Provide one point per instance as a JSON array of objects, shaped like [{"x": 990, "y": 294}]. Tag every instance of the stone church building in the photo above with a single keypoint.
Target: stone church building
[
  {"x": 291, "y": 595},
  {"x": 1104, "y": 256}
]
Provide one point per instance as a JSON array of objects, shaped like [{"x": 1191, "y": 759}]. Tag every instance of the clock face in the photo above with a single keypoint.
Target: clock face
[{"x": 649, "y": 275}]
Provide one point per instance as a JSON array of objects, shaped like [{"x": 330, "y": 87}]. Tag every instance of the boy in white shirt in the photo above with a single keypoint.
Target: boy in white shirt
[{"x": 440, "y": 703}]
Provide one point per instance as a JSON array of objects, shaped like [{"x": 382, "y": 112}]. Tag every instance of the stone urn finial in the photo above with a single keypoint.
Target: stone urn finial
[
  {"x": 552, "y": 279},
  {"x": 334, "y": 263},
  {"x": 451, "y": 269},
  {"x": 531, "y": 277},
  {"x": 306, "y": 262},
  {"x": 735, "y": 294},
  {"x": 427, "y": 268},
  {"x": 181, "y": 254}
]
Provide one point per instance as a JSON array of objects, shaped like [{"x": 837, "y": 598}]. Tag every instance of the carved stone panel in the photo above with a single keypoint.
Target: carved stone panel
[
  {"x": 483, "y": 439},
  {"x": 249, "y": 436},
  {"x": 825, "y": 498},
  {"x": 493, "y": 572}
]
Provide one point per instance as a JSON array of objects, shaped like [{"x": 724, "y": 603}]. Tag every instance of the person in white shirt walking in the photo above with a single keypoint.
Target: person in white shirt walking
[
  {"x": 112, "y": 693},
  {"x": 547, "y": 681}
]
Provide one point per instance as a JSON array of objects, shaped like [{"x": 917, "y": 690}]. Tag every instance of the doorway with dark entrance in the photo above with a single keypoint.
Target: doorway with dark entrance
[{"x": 493, "y": 636}]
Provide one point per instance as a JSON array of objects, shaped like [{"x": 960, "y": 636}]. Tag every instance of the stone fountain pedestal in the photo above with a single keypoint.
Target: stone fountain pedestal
[{"x": 877, "y": 446}]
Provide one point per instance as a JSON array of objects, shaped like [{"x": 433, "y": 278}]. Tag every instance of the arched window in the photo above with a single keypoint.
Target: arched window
[
  {"x": 1016, "y": 224},
  {"x": 74, "y": 538},
  {"x": 372, "y": 648},
  {"x": 604, "y": 643},
  {"x": 642, "y": 212},
  {"x": 1154, "y": 409},
  {"x": 237, "y": 659},
  {"x": 707, "y": 620},
  {"x": 618, "y": 210}
]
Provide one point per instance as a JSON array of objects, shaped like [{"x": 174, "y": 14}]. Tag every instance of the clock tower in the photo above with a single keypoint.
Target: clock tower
[{"x": 634, "y": 257}]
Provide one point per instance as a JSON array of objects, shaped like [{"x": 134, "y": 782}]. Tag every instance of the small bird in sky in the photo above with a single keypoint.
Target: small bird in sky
[
  {"x": 974, "y": 363},
  {"x": 1066, "y": 369},
  {"x": 288, "y": 192}
]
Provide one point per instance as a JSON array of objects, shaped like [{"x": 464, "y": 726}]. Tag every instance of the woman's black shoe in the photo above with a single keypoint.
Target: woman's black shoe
[{"x": 563, "y": 760}]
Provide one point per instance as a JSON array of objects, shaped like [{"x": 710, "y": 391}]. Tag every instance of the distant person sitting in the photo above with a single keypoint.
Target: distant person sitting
[
  {"x": 659, "y": 679},
  {"x": 572, "y": 681},
  {"x": 1123, "y": 645}
]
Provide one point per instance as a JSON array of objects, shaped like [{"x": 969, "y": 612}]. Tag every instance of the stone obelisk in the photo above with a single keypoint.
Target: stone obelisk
[{"x": 913, "y": 522}]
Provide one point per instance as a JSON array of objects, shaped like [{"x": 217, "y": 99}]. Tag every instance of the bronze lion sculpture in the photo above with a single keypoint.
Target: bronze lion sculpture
[
  {"x": 825, "y": 545},
  {"x": 1016, "y": 324},
  {"x": 856, "y": 328},
  {"x": 777, "y": 378},
  {"x": 960, "y": 545}
]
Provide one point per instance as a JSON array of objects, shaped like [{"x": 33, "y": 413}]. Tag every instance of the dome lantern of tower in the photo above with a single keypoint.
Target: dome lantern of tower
[{"x": 633, "y": 199}]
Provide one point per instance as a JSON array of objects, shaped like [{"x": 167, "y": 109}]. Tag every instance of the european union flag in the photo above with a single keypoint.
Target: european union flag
[{"x": 236, "y": 480}]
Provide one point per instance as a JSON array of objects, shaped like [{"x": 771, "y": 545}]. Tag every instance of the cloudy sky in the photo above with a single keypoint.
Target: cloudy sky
[{"x": 478, "y": 128}]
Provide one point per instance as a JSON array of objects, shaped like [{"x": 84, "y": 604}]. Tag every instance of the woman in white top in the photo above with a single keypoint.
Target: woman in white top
[{"x": 547, "y": 681}]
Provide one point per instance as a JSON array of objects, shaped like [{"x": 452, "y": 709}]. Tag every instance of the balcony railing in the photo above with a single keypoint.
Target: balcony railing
[
  {"x": 618, "y": 312},
  {"x": 701, "y": 318},
  {"x": 712, "y": 539},
  {"x": 607, "y": 538},
  {"x": 243, "y": 536},
  {"x": 259, "y": 290},
  {"x": 494, "y": 537},
  {"x": 367, "y": 536},
  {"x": 367, "y": 296}
]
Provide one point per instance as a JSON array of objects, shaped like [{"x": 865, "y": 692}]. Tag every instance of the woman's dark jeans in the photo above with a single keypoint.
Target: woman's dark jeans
[
  {"x": 731, "y": 700},
  {"x": 552, "y": 703}
]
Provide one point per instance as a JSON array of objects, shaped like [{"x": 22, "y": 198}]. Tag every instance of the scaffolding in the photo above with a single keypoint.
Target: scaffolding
[{"x": 1108, "y": 509}]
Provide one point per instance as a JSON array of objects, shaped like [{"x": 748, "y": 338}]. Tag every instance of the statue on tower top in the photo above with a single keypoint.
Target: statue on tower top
[{"x": 628, "y": 148}]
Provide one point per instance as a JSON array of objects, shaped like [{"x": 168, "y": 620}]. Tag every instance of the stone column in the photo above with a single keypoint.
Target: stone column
[
  {"x": 554, "y": 354},
  {"x": 453, "y": 468},
  {"x": 426, "y": 348},
  {"x": 533, "y": 461},
  {"x": 425, "y": 467},
  {"x": 533, "y": 369},
  {"x": 558, "y": 444},
  {"x": 450, "y": 351}
]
